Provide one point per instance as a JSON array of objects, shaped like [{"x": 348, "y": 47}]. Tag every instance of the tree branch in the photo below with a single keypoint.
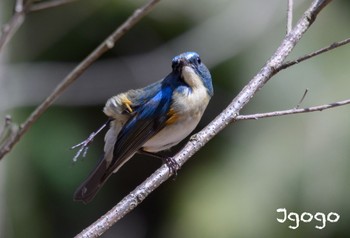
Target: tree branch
[
  {"x": 292, "y": 111},
  {"x": 106, "y": 45},
  {"x": 289, "y": 16},
  {"x": 11, "y": 27},
  {"x": 21, "y": 9},
  {"x": 313, "y": 54},
  {"x": 198, "y": 140},
  {"x": 302, "y": 99},
  {"x": 48, "y": 4}
]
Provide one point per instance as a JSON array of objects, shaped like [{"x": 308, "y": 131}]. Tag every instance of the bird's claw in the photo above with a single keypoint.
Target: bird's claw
[
  {"x": 172, "y": 165},
  {"x": 84, "y": 146}
]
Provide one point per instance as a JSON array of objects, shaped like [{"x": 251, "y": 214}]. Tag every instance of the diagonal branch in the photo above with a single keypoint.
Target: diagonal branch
[
  {"x": 106, "y": 45},
  {"x": 48, "y": 4},
  {"x": 290, "y": 16},
  {"x": 313, "y": 54},
  {"x": 292, "y": 111},
  {"x": 198, "y": 140}
]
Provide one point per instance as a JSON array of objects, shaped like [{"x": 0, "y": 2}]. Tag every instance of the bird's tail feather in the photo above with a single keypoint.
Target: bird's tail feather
[{"x": 88, "y": 189}]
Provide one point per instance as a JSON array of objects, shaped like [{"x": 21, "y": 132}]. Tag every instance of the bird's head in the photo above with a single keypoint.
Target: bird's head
[{"x": 193, "y": 71}]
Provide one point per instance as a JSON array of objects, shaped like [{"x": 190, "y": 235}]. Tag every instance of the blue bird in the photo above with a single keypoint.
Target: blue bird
[{"x": 151, "y": 119}]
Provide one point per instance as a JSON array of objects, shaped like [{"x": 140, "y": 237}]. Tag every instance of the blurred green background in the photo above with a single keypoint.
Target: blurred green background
[{"x": 235, "y": 184}]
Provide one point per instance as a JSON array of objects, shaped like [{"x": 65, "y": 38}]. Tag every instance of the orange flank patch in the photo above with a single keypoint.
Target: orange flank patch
[
  {"x": 173, "y": 117},
  {"x": 127, "y": 103}
]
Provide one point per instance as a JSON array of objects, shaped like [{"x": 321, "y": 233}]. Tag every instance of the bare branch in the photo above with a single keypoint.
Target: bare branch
[
  {"x": 292, "y": 111},
  {"x": 21, "y": 9},
  {"x": 106, "y": 45},
  {"x": 10, "y": 28},
  {"x": 318, "y": 6},
  {"x": 318, "y": 52},
  {"x": 48, "y": 4},
  {"x": 289, "y": 16},
  {"x": 198, "y": 140}
]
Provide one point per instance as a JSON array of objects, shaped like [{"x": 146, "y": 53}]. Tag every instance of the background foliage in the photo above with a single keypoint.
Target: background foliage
[{"x": 234, "y": 185}]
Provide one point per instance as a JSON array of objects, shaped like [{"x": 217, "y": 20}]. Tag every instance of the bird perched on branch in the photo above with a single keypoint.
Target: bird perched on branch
[{"x": 150, "y": 119}]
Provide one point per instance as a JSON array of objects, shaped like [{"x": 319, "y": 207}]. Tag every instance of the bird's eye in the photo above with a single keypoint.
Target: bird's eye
[{"x": 199, "y": 61}]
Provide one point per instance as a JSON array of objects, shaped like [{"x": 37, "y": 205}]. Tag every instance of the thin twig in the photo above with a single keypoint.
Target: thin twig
[
  {"x": 198, "y": 140},
  {"x": 48, "y": 4},
  {"x": 19, "y": 6},
  {"x": 302, "y": 99},
  {"x": 292, "y": 111},
  {"x": 106, "y": 45},
  {"x": 313, "y": 54},
  {"x": 10, "y": 28},
  {"x": 7, "y": 124},
  {"x": 7, "y": 121},
  {"x": 289, "y": 16},
  {"x": 9, "y": 130}
]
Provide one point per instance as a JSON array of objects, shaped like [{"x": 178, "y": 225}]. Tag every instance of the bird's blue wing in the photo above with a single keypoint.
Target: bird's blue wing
[
  {"x": 148, "y": 120},
  {"x": 139, "y": 97}
]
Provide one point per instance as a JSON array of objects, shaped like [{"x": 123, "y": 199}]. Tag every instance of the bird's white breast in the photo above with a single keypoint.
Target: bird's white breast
[{"x": 189, "y": 107}]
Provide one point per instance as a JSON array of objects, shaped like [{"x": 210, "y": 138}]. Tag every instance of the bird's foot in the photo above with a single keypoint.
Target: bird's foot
[
  {"x": 84, "y": 145},
  {"x": 172, "y": 165}
]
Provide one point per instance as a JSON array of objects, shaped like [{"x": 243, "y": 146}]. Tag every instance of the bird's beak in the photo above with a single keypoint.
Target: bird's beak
[{"x": 183, "y": 63}]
